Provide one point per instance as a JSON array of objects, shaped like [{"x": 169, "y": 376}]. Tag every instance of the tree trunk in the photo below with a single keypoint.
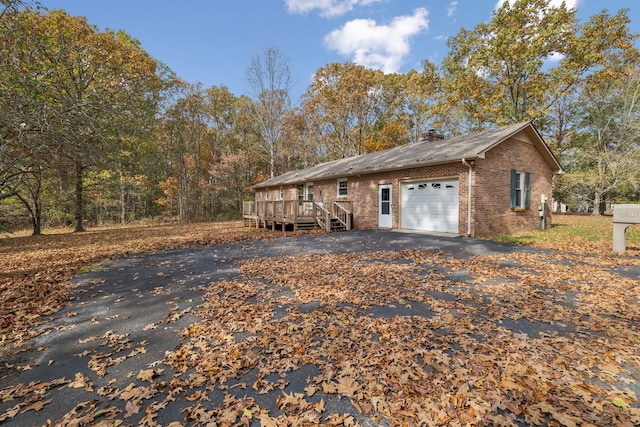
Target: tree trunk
[
  {"x": 37, "y": 216},
  {"x": 79, "y": 198},
  {"x": 272, "y": 159},
  {"x": 123, "y": 200},
  {"x": 597, "y": 199},
  {"x": 33, "y": 203},
  {"x": 35, "y": 212}
]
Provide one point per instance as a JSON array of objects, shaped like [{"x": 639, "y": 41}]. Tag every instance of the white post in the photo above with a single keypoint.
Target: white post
[
  {"x": 624, "y": 216},
  {"x": 619, "y": 237}
]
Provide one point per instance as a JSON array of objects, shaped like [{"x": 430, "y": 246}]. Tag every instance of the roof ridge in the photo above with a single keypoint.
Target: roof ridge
[{"x": 415, "y": 154}]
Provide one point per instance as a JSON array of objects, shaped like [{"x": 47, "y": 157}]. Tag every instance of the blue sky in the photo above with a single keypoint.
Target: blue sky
[{"x": 213, "y": 41}]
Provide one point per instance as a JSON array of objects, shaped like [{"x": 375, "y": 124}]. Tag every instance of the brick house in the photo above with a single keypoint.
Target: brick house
[{"x": 490, "y": 183}]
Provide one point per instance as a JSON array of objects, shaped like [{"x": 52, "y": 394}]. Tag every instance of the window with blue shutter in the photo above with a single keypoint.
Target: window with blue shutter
[
  {"x": 527, "y": 190},
  {"x": 514, "y": 188}
]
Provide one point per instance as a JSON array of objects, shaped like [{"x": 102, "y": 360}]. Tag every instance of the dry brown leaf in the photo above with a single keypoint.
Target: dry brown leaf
[
  {"x": 80, "y": 381},
  {"x": 131, "y": 409}
]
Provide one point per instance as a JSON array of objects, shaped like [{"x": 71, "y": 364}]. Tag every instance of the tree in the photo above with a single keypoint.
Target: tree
[
  {"x": 24, "y": 111},
  {"x": 388, "y": 119},
  {"x": 496, "y": 71},
  {"x": 269, "y": 80},
  {"x": 343, "y": 103},
  {"x": 517, "y": 66},
  {"x": 421, "y": 91},
  {"x": 222, "y": 110},
  {"x": 606, "y": 145},
  {"x": 232, "y": 175},
  {"x": 15, "y": 122},
  {"x": 300, "y": 142},
  {"x": 186, "y": 143},
  {"x": 80, "y": 89},
  {"x": 9, "y": 6}
]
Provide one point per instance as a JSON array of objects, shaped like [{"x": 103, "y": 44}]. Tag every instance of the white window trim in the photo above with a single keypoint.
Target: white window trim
[
  {"x": 308, "y": 186},
  {"x": 520, "y": 188},
  {"x": 346, "y": 188}
]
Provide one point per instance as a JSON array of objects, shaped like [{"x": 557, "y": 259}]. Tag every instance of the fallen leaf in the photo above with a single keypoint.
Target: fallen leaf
[
  {"x": 80, "y": 381},
  {"x": 619, "y": 402},
  {"x": 131, "y": 409}
]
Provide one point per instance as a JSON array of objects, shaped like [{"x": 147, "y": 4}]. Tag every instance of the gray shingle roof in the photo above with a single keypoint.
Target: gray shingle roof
[{"x": 413, "y": 155}]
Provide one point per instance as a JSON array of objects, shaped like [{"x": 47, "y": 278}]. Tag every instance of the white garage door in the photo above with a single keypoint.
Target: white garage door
[{"x": 430, "y": 205}]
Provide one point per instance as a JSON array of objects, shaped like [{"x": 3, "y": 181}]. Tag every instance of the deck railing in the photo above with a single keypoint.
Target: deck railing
[
  {"x": 249, "y": 209},
  {"x": 322, "y": 216},
  {"x": 270, "y": 209},
  {"x": 291, "y": 210},
  {"x": 343, "y": 211}
]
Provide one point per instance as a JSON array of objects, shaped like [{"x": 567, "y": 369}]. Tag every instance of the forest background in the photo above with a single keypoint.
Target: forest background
[{"x": 94, "y": 130}]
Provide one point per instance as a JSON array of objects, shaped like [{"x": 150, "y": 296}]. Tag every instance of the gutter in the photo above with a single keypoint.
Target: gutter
[
  {"x": 355, "y": 172},
  {"x": 469, "y": 193}
]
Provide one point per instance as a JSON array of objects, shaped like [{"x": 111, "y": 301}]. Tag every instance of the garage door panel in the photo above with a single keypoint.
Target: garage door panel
[{"x": 430, "y": 206}]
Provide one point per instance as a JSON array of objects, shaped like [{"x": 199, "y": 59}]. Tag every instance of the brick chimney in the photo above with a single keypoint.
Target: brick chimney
[{"x": 430, "y": 135}]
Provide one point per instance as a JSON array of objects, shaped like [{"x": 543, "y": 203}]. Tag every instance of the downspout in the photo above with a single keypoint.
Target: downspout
[{"x": 469, "y": 193}]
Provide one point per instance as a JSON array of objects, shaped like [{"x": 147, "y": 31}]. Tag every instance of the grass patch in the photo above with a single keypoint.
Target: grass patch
[
  {"x": 91, "y": 268},
  {"x": 577, "y": 233}
]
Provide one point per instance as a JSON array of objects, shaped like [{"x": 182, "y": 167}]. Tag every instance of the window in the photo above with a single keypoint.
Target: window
[
  {"x": 520, "y": 189},
  {"x": 281, "y": 193},
  {"x": 342, "y": 187},
  {"x": 300, "y": 188},
  {"x": 266, "y": 194},
  {"x": 309, "y": 191}
]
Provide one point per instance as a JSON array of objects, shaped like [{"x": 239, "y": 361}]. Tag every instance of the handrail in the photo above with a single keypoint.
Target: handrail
[
  {"x": 278, "y": 208},
  {"x": 322, "y": 216},
  {"x": 248, "y": 208},
  {"x": 291, "y": 210},
  {"x": 343, "y": 214}
]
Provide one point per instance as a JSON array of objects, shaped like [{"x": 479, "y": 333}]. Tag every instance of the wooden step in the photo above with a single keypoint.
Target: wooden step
[
  {"x": 306, "y": 225},
  {"x": 337, "y": 225}
]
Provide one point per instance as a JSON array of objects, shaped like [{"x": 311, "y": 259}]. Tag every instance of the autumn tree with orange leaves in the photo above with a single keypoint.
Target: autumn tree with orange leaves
[{"x": 81, "y": 91}]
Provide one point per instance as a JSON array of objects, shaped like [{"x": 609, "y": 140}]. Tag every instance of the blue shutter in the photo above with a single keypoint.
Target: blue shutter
[
  {"x": 514, "y": 186},
  {"x": 527, "y": 190}
]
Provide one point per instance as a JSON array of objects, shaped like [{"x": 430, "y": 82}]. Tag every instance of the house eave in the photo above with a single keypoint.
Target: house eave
[
  {"x": 370, "y": 171},
  {"x": 405, "y": 157}
]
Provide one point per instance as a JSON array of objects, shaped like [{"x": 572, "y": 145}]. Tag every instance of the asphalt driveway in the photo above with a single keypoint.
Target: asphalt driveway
[{"x": 248, "y": 334}]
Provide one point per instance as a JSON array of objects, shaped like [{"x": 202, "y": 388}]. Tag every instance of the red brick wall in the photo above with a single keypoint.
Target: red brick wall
[
  {"x": 491, "y": 210},
  {"x": 491, "y": 198},
  {"x": 363, "y": 192}
]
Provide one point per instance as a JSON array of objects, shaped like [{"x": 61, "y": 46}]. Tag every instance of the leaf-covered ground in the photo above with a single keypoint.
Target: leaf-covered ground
[
  {"x": 373, "y": 336},
  {"x": 424, "y": 338},
  {"x": 36, "y": 269}
]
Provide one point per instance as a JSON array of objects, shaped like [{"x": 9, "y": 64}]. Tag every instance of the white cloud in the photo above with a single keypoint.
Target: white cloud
[
  {"x": 327, "y": 8},
  {"x": 376, "y": 46},
  {"x": 571, "y": 4},
  {"x": 555, "y": 57},
  {"x": 451, "y": 10}
]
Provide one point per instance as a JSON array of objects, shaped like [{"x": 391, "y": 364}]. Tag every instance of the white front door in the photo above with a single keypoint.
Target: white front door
[{"x": 384, "y": 206}]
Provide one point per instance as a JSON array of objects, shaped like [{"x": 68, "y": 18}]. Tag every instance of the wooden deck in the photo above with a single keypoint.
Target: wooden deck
[{"x": 298, "y": 214}]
